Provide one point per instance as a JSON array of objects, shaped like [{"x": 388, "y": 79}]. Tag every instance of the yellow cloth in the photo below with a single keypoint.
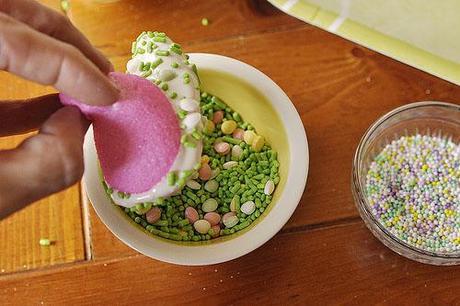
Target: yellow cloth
[{"x": 421, "y": 33}]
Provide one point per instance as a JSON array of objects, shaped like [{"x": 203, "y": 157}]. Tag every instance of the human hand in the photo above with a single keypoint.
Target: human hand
[{"x": 41, "y": 45}]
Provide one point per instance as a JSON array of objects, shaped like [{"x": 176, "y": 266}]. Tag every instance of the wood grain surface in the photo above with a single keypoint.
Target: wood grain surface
[
  {"x": 324, "y": 255},
  {"x": 57, "y": 218},
  {"x": 318, "y": 267},
  {"x": 339, "y": 92}
]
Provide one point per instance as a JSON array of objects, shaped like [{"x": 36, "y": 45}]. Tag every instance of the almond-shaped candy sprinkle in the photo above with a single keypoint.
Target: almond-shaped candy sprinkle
[
  {"x": 215, "y": 231},
  {"x": 214, "y": 173},
  {"x": 211, "y": 186},
  {"x": 228, "y": 127},
  {"x": 269, "y": 187},
  {"x": 212, "y": 217},
  {"x": 230, "y": 220},
  {"x": 209, "y": 205},
  {"x": 249, "y": 137},
  {"x": 229, "y": 165},
  {"x": 153, "y": 215},
  {"x": 193, "y": 185},
  {"x": 191, "y": 214},
  {"x": 258, "y": 143},
  {"x": 236, "y": 152},
  {"x": 238, "y": 134},
  {"x": 248, "y": 207},
  {"x": 222, "y": 148},
  {"x": 209, "y": 127},
  {"x": 202, "y": 226},
  {"x": 204, "y": 159},
  {"x": 217, "y": 117},
  {"x": 205, "y": 172}
]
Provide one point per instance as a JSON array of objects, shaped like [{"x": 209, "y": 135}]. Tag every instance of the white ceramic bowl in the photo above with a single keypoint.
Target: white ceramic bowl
[{"x": 226, "y": 249}]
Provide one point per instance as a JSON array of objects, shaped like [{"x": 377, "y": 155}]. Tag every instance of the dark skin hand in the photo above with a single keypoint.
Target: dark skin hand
[{"x": 41, "y": 45}]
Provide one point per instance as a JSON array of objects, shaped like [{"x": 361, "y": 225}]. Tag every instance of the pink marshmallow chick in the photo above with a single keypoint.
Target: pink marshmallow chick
[{"x": 137, "y": 138}]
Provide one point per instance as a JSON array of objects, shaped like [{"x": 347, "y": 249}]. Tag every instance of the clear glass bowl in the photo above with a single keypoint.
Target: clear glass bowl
[{"x": 425, "y": 118}]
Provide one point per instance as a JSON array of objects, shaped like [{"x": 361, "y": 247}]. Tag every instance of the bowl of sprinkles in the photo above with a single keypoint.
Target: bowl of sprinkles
[
  {"x": 241, "y": 168},
  {"x": 406, "y": 181}
]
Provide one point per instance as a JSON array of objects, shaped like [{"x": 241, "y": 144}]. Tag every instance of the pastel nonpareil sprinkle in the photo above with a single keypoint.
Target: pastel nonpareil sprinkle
[{"x": 413, "y": 188}]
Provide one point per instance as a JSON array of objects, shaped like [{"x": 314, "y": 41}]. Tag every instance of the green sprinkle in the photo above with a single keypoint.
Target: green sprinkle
[
  {"x": 141, "y": 66},
  {"x": 173, "y": 95},
  {"x": 156, "y": 62},
  {"x": 164, "y": 86},
  {"x": 197, "y": 135},
  {"x": 140, "y": 36},
  {"x": 140, "y": 51},
  {"x": 171, "y": 178},
  {"x": 181, "y": 113},
  {"x": 183, "y": 223},
  {"x": 146, "y": 74},
  {"x": 204, "y": 22},
  {"x": 133, "y": 47},
  {"x": 164, "y": 235},
  {"x": 160, "y": 34},
  {"x": 150, "y": 34},
  {"x": 65, "y": 6},
  {"x": 44, "y": 242},
  {"x": 162, "y": 52},
  {"x": 175, "y": 65},
  {"x": 231, "y": 140},
  {"x": 186, "y": 81},
  {"x": 147, "y": 66},
  {"x": 175, "y": 50},
  {"x": 236, "y": 117},
  {"x": 161, "y": 223},
  {"x": 190, "y": 144},
  {"x": 218, "y": 102},
  {"x": 181, "y": 182},
  {"x": 159, "y": 39},
  {"x": 150, "y": 47},
  {"x": 186, "y": 173}
]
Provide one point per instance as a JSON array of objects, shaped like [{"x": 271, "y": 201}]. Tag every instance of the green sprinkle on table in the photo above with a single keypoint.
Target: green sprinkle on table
[{"x": 204, "y": 22}]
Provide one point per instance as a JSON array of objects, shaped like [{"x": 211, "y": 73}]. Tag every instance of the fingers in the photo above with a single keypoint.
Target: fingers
[
  {"x": 22, "y": 116},
  {"x": 43, "y": 164},
  {"x": 40, "y": 58},
  {"x": 52, "y": 23}
]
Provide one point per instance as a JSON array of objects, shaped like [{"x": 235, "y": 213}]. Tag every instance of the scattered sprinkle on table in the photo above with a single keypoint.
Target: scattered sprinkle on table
[
  {"x": 204, "y": 21},
  {"x": 44, "y": 242},
  {"x": 413, "y": 188}
]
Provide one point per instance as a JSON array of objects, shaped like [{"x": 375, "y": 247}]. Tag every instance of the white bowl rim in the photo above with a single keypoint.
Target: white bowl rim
[{"x": 207, "y": 254}]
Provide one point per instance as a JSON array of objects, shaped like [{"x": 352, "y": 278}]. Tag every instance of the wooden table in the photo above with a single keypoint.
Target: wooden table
[{"x": 324, "y": 254}]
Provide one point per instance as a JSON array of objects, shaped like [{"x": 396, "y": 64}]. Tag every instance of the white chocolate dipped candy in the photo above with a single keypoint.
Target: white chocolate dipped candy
[{"x": 160, "y": 60}]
